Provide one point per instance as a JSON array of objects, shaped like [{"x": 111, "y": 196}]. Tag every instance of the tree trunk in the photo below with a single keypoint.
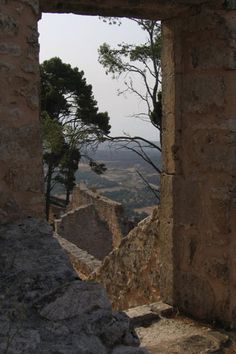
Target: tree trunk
[
  {"x": 67, "y": 196},
  {"x": 48, "y": 191}
]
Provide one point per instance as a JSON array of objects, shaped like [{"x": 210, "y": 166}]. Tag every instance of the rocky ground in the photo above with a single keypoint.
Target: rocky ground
[
  {"x": 163, "y": 331},
  {"x": 45, "y": 308}
]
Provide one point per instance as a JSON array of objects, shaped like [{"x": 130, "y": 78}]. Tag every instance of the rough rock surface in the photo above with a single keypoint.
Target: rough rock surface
[
  {"x": 131, "y": 272},
  {"x": 45, "y": 308},
  {"x": 21, "y": 170},
  {"x": 156, "y": 9},
  {"x": 169, "y": 333}
]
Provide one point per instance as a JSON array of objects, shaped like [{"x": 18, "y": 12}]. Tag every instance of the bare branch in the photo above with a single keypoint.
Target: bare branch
[
  {"x": 148, "y": 185},
  {"x": 133, "y": 138}
]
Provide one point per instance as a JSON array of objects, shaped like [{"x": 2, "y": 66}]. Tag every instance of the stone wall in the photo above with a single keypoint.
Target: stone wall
[
  {"x": 131, "y": 273},
  {"x": 21, "y": 179},
  {"x": 108, "y": 211},
  {"x": 83, "y": 227},
  {"x": 198, "y": 206},
  {"x": 83, "y": 263}
]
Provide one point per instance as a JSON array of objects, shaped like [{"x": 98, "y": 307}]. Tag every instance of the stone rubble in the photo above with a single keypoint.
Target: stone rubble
[{"x": 45, "y": 308}]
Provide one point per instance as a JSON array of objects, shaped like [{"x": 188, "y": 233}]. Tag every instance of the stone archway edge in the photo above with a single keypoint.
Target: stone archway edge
[{"x": 153, "y": 9}]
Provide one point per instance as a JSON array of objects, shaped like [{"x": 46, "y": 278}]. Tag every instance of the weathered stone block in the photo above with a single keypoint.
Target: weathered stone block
[
  {"x": 213, "y": 150},
  {"x": 8, "y": 25},
  {"x": 10, "y": 49},
  {"x": 196, "y": 232},
  {"x": 211, "y": 56},
  {"x": 159, "y": 9},
  {"x": 166, "y": 260},
  {"x": 20, "y": 145},
  {"x": 76, "y": 299},
  {"x": 218, "y": 268},
  {"x": 188, "y": 241},
  {"x": 197, "y": 297},
  {"x": 203, "y": 93}
]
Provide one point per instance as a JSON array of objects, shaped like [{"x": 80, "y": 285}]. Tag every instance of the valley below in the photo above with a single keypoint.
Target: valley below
[{"x": 128, "y": 179}]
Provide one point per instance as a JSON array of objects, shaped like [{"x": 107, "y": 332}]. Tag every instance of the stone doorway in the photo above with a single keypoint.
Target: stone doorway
[{"x": 198, "y": 183}]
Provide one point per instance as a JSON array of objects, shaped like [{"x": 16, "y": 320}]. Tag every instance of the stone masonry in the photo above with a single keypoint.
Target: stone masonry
[
  {"x": 21, "y": 179},
  {"x": 83, "y": 263},
  {"x": 135, "y": 265},
  {"x": 198, "y": 207},
  {"x": 108, "y": 211},
  {"x": 84, "y": 228},
  {"x": 156, "y": 9}
]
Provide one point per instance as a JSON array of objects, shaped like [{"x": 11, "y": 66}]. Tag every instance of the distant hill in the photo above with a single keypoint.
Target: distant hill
[
  {"x": 121, "y": 181},
  {"x": 115, "y": 152}
]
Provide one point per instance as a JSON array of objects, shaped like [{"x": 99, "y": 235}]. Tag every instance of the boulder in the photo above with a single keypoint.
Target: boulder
[{"x": 44, "y": 306}]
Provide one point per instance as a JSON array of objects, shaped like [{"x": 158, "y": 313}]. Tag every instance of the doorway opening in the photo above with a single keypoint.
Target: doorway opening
[{"x": 115, "y": 201}]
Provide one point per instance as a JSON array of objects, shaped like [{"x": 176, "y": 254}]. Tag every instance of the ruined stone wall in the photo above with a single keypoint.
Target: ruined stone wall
[
  {"x": 131, "y": 273},
  {"x": 21, "y": 180},
  {"x": 108, "y": 211},
  {"x": 198, "y": 205},
  {"x": 83, "y": 227},
  {"x": 83, "y": 263}
]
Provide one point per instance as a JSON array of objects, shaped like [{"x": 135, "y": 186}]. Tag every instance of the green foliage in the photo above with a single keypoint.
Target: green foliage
[
  {"x": 98, "y": 168},
  {"x": 68, "y": 166},
  {"x": 67, "y": 97},
  {"x": 70, "y": 120},
  {"x": 53, "y": 140},
  {"x": 156, "y": 114}
]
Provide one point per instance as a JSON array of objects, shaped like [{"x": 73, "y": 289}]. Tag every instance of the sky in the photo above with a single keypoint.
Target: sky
[{"x": 76, "y": 39}]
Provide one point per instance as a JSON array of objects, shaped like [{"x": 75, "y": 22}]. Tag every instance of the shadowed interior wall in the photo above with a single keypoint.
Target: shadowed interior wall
[
  {"x": 21, "y": 181},
  {"x": 110, "y": 212},
  {"x": 83, "y": 227}
]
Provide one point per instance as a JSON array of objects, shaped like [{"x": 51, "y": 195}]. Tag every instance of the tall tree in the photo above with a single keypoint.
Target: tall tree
[
  {"x": 53, "y": 151},
  {"x": 67, "y": 168},
  {"x": 70, "y": 120}
]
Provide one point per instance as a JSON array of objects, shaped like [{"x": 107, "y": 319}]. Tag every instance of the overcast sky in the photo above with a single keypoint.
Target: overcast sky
[{"x": 75, "y": 39}]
